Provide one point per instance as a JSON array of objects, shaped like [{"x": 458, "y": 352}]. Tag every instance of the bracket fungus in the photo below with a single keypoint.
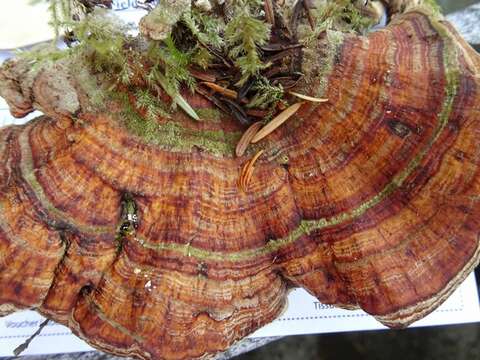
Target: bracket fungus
[{"x": 123, "y": 219}]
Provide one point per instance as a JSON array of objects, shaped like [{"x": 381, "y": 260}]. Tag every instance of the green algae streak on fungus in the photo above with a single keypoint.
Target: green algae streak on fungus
[{"x": 121, "y": 216}]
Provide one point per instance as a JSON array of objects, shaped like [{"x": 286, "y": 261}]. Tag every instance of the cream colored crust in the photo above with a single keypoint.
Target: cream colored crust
[{"x": 6, "y": 309}]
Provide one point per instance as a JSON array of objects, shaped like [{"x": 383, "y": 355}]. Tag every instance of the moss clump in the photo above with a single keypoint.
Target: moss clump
[
  {"x": 206, "y": 28},
  {"x": 235, "y": 45},
  {"x": 243, "y": 34},
  {"x": 173, "y": 136},
  {"x": 266, "y": 94},
  {"x": 152, "y": 107},
  {"x": 434, "y": 6},
  {"x": 103, "y": 45},
  {"x": 339, "y": 15},
  {"x": 212, "y": 115}
]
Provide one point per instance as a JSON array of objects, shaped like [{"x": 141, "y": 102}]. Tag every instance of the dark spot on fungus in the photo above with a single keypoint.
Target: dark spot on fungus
[{"x": 399, "y": 128}]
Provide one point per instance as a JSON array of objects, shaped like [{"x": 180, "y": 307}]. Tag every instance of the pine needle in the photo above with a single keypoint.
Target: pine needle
[
  {"x": 180, "y": 101},
  {"x": 177, "y": 98},
  {"x": 247, "y": 138},
  {"x": 247, "y": 171},
  {"x": 308, "y": 98},
  {"x": 220, "y": 89},
  {"x": 276, "y": 122}
]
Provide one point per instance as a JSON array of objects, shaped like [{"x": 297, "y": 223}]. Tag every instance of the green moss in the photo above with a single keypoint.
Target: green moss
[
  {"x": 152, "y": 106},
  {"x": 174, "y": 62},
  {"x": 202, "y": 57},
  {"x": 172, "y": 135},
  {"x": 434, "y": 6},
  {"x": 266, "y": 94},
  {"x": 211, "y": 114},
  {"x": 177, "y": 138},
  {"x": 147, "y": 68},
  {"x": 340, "y": 15},
  {"x": 205, "y": 27},
  {"x": 244, "y": 34}
]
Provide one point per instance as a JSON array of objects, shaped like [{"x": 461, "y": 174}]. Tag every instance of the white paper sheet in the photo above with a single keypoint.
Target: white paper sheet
[
  {"x": 14, "y": 16},
  {"x": 305, "y": 315}
]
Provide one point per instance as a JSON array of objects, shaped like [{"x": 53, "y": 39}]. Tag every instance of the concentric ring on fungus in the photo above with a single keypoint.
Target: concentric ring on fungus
[{"x": 124, "y": 220}]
